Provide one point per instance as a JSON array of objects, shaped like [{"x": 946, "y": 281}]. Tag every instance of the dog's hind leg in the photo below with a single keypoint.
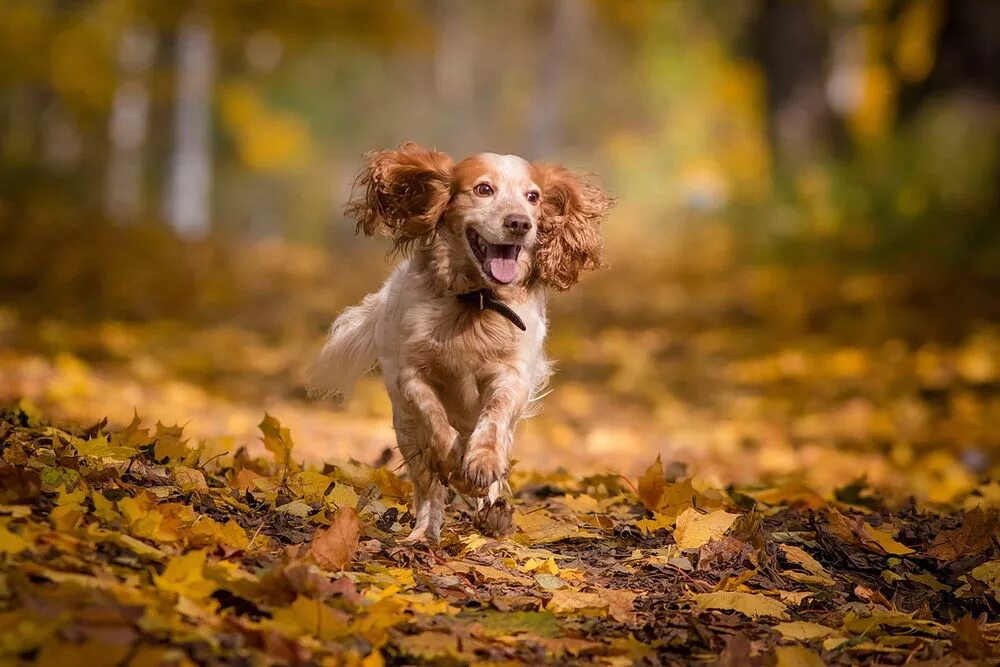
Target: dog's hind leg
[{"x": 429, "y": 494}]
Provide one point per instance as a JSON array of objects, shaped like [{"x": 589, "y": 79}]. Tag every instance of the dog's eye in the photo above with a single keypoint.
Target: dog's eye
[
  {"x": 483, "y": 189},
  {"x": 533, "y": 197}
]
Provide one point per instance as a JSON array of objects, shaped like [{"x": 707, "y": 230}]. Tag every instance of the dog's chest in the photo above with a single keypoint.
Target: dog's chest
[{"x": 457, "y": 340}]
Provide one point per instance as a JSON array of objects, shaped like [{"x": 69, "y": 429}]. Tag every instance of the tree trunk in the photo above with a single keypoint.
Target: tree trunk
[
  {"x": 790, "y": 43},
  {"x": 188, "y": 206},
  {"x": 128, "y": 126}
]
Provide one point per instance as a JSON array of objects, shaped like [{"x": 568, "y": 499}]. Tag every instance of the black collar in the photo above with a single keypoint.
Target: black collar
[{"x": 486, "y": 299}]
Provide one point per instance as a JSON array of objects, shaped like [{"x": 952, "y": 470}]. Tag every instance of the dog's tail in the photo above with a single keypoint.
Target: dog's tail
[{"x": 349, "y": 351}]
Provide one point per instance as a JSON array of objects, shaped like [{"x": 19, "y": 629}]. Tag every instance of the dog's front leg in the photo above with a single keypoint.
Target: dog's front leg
[
  {"x": 441, "y": 452},
  {"x": 504, "y": 393}
]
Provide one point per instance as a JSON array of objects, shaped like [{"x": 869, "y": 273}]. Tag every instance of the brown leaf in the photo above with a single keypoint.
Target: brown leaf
[
  {"x": 871, "y": 596},
  {"x": 334, "y": 547},
  {"x": 854, "y": 530},
  {"x": 277, "y": 440},
  {"x": 974, "y": 536},
  {"x": 969, "y": 640},
  {"x": 652, "y": 484}
]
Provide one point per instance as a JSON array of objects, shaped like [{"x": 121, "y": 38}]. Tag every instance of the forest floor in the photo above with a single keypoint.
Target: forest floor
[{"x": 758, "y": 466}]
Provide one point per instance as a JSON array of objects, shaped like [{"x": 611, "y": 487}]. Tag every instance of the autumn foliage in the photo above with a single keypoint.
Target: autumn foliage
[{"x": 135, "y": 546}]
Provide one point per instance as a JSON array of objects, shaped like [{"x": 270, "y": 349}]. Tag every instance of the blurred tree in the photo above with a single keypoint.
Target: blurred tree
[
  {"x": 790, "y": 41},
  {"x": 187, "y": 203}
]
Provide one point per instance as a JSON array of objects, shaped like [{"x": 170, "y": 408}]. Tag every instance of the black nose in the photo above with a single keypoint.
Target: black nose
[{"x": 517, "y": 223}]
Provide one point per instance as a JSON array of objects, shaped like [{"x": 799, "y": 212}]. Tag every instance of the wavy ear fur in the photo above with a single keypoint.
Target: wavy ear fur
[
  {"x": 401, "y": 193},
  {"x": 569, "y": 237}
]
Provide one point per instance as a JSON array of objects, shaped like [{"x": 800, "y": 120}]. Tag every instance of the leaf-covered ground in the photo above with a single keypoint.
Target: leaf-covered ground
[
  {"x": 137, "y": 547},
  {"x": 828, "y": 491}
]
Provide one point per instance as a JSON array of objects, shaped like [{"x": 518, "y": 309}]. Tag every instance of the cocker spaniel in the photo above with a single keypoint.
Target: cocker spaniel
[{"x": 458, "y": 328}]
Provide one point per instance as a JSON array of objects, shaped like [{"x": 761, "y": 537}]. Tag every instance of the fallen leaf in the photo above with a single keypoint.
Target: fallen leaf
[
  {"x": 568, "y": 602},
  {"x": 798, "y": 556},
  {"x": 854, "y": 530},
  {"x": 542, "y": 528},
  {"x": 749, "y": 604},
  {"x": 975, "y": 534},
  {"x": 804, "y": 630},
  {"x": 651, "y": 485},
  {"x": 277, "y": 440},
  {"x": 969, "y": 640},
  {"x": 190, "y": 479},
  {"x": 10, "y": 542},
  {"x": 334, "y": 547},
  {"x": 184, "y": 575},
  {"x": 797, "y": 656},
  {"x": 695, "y": 529}
]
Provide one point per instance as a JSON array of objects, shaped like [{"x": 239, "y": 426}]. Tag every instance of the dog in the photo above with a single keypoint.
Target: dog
[{"x": 459, "y": 326}]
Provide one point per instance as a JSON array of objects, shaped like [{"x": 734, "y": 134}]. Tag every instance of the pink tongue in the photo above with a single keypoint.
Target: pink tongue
[{"x": 503, "y": 270}]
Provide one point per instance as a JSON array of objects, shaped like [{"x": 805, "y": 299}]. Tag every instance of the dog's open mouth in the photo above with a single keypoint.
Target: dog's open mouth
[{"x": 499, "y": 260}]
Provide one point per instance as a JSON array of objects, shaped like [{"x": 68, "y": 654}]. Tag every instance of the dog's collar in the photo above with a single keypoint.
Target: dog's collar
[{"x": 486, "y": 299}]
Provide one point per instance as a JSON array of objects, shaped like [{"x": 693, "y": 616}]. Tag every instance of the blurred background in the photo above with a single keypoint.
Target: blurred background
[{"x": 804, "y": 259}]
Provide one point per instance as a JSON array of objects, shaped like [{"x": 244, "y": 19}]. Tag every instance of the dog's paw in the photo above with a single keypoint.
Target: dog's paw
[
  {"x": 495, "y": 519},
  {"x": 482, "y": 466},
  {"x": 421, "y": 536}
]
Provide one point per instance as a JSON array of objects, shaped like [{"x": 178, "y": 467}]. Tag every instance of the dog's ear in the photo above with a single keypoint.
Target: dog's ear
[
  {"x": 401, "y": 193},
  {"x": 569, "y": 237}
]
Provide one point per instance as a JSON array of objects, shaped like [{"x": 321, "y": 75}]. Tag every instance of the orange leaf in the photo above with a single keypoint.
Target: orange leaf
[{"x": 334, "y": 547}]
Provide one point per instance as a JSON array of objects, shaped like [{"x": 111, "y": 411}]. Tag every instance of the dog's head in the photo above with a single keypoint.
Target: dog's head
[{"x": 498, "y": 219}]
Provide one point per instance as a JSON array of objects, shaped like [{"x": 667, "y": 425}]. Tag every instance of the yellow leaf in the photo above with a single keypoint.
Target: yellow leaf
[
  {"x": 798, "y": 556},
  {"x": 92, "y": 653},
  {"x": 184, "y": 575},
  {"x": 695, "y": 529},
  {"x": 659, "y": 521},
  {"x": 797, "y": 656},
  {"x": 652, "y": 485},
  {"x": 804, "y": 631},
  {"x": 885, "y": 541},
  {"x": 170, "y": 443},
  {"x": 66, "y": 517},
  {"x": 11, "y": 543},
  {"x": 343, "y": 495},
  {"x": 277, "y": 440},
  {"x": 541, "y": 527},
  {"x": 310, "y": 484},
  {"x": 749, "y": 604},
  {"x": 568, "y": 602},
  {"x": 989, "y": 574},
  {"x": 190, "y": 479},
  {"x": 104, "y": 509},
  {"x": 306, "y": 616}
]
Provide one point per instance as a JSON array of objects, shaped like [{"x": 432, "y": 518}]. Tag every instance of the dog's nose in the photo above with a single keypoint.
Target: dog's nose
[{"x": 517, "y": 223}]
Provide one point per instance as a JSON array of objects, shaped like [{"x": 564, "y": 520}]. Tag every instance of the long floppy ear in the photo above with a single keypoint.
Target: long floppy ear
[
  {"x": 569, "y": 236},
  {"x": 401, "y": 193}
]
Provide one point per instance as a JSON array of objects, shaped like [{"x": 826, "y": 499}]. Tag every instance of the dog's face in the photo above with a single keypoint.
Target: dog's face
[
  {"x": 502, "y": 220},
  {"x": 493, "y": 215}
]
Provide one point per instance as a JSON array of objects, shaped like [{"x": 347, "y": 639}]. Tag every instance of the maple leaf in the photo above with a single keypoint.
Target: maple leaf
[
  {"x": 334, "y": 547},
  {"x": 277, "y": 440},
  {"x": 170, "y": 443},
  {"x": 185, "y": 575},
  {"x": 652, "y": 485}
]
